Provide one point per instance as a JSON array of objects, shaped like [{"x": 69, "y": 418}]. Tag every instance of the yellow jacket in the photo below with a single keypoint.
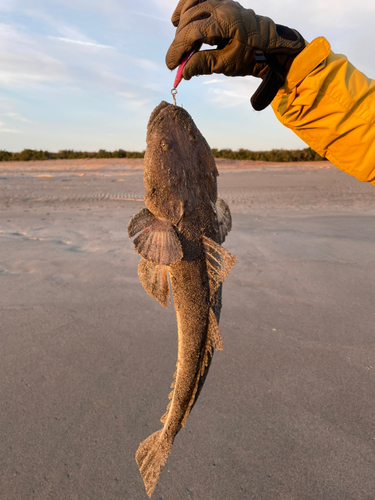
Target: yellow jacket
[{"x": 330, "y": 105}]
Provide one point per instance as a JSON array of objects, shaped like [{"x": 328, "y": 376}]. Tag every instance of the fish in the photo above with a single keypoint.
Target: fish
[{"x": 180, "y": 234}]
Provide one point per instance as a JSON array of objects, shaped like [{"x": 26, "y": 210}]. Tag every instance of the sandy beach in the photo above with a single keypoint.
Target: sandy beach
[{"x": 87, "y": 357}]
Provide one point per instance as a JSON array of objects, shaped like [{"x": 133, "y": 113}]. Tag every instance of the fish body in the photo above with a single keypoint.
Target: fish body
[{"x": 180, "y": 233}]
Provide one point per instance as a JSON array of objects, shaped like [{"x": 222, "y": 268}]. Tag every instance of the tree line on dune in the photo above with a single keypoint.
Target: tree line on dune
[
  {"x": 276, "y": 155},
  {"x": 66, "y": 154}
]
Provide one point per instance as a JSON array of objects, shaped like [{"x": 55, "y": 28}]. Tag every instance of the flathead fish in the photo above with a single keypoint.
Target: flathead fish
[{"x": 180, "y": 233}]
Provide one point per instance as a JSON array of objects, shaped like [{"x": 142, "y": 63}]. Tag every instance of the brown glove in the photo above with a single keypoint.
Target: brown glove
[{"x": 247, "y": 44}]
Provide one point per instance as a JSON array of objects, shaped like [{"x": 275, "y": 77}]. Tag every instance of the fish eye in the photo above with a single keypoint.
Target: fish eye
[
  {"x": 192, "y": 139},
  {"x": 165, "y": 144}
]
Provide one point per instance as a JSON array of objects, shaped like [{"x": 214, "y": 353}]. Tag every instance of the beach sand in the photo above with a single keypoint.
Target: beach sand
[{"x": 87, "y": 357}]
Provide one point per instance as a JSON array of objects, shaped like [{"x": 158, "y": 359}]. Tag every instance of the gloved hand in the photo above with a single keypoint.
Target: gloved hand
[{"x": 247, "y": 44}]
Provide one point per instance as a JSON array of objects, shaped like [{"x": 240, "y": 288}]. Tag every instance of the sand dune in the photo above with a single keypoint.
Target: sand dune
[{"x": 86, "y": 356}]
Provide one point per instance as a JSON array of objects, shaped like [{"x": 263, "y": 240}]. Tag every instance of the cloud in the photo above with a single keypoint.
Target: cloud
[
  {"x": 4, "y": 129},
  {"x": 85, "y": 5},
  {"x": 167, "y": 6},
  {"x": 7, "y": 105},
  {"x": 214, "y": 80},
  {"x": 23, "y": 62},
  {"x": 79, "y": 42},
  {"x": 8, "y": 130},
  {"x": 70, "y": 33},
  {"x": 16, "y": 116},
  {"x": 136, "y": 104},
  {"x": 49, "y": 60},
  {"x": 230, "y": 92},
  {"x": 155, "y": 87},
  {"x": 144, "y": 63},
  {"x": 128, "y": 95},
  {"x": 322, "y": 13},
  {"x": 133, "y": 102},
  {"x": 7, "y": 5},
  {"x": 152, "y": 16}
]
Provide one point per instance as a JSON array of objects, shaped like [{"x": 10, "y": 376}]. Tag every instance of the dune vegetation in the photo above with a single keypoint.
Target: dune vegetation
[
  {"x": 66, "y": 154},
  {"x": 275, "y": 155}
]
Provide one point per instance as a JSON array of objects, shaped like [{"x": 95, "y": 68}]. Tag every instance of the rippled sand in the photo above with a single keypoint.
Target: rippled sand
[{"x": 86, "y": 358}]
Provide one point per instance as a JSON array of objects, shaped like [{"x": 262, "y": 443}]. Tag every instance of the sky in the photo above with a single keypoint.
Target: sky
[{"x": 86, "y": 74}]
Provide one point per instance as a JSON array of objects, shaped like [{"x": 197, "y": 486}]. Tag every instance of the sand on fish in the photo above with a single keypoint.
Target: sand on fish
[{"x": 86, "y": 358}]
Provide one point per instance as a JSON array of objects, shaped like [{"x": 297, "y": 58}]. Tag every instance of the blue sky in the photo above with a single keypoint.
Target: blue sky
[{"x": 86, "y": 74}]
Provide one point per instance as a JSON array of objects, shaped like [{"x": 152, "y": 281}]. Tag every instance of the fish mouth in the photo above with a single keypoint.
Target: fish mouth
[
  {"x": 166, "y": 111},
  {"x": 155, "y": 115}
]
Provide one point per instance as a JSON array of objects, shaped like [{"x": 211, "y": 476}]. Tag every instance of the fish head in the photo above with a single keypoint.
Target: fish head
[{"x": 179, "y": 168}]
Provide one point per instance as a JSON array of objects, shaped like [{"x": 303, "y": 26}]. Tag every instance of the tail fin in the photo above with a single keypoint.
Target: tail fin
[{"x": 151, "y": 457}]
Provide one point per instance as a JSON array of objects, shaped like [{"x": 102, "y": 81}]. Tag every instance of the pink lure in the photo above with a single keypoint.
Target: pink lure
[{"x": 180, "y": 68}]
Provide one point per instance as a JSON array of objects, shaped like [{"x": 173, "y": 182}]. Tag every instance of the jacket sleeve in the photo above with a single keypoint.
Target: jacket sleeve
[{"x": 330, "y": 105}]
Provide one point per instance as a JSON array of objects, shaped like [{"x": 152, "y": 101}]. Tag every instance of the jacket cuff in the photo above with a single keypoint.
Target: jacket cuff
[{"x": 306, "y": 61}]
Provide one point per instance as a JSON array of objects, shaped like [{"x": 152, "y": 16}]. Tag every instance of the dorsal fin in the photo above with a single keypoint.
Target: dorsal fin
[
  {"x": 154, "y": 279},
  {"x": 159, "y": 243},
  {"x": 173, "y": 385},
  {"x": 219, "y": 262},
  {"x": 213, "y": 340},
  {"x": 224, "y": 218}
]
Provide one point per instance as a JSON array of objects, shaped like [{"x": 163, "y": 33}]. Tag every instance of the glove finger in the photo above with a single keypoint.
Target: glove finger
[
  {"x": 177, "y": 12},
  {"x": 194, "y": 35},
  {"x": 204, "y": 63},
  {"x": 230, "y": 61},
  {"x": 182, "y": 7}
]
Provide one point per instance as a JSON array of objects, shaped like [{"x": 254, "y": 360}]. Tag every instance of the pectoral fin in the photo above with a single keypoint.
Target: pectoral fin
[
  {"x": 140, "y": 221},
  {"x": 224, "y": 218},
  {"x": 219, "y": 262},
  {"x": 159, "y": 243},
  {"x": 154, "y": 280}
]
